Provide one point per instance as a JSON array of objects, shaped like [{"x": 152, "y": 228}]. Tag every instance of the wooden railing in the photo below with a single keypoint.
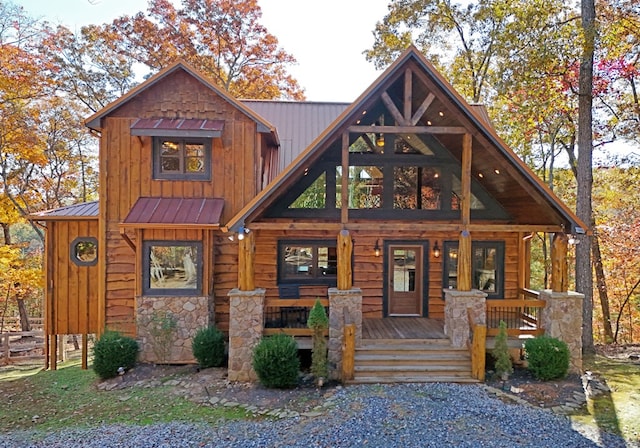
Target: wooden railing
[
  {"x": 7, "y": 338},
  {"x": 348, "y": 348},
  {"x": 521, "y": 315},
  {"x": 289, "y": 316}
]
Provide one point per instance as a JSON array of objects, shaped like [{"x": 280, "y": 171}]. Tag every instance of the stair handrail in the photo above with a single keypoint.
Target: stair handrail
[
  {"x": 348, "y": 347},
  {"x": 477, "y": 346}
]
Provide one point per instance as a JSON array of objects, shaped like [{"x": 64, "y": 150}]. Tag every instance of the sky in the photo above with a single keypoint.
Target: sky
[{"x": 326, "y": 37}]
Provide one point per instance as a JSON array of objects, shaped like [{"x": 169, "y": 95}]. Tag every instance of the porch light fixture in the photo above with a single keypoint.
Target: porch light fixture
[
  {"x": 436, "y": 250},
  {"x": 376, "y": 249},
  {"x": 241, "y": 232}
]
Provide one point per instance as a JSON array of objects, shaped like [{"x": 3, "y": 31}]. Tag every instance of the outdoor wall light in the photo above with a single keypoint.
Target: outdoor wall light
[
  {"x": 241, "y": 232},
  {"x": 376, "y": 249},
  {"x": 380, "y": 140},
  {"x": 436, "y": 250}
]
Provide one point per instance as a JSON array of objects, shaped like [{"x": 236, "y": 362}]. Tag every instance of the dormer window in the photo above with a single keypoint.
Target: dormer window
[{"x": 182, "y": 158}]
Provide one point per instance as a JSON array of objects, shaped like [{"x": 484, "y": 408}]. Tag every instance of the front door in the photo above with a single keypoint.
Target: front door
[{"x": 404, "y": 280}]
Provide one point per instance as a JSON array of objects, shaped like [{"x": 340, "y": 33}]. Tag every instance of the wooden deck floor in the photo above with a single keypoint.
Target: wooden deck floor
[{"x": 403, "y": 328}]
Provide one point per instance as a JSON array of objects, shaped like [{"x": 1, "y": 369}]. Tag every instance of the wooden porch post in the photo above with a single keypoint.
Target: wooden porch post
[
  {"x": 464, "y": 245},
  {"x": 559, "y": 268},
  {"x": 246, "y": 252},
  {"x": 345, "y": 248}
]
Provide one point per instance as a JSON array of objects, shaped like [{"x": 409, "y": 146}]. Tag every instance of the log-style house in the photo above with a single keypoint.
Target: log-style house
[{"x": 403, "y": 212}]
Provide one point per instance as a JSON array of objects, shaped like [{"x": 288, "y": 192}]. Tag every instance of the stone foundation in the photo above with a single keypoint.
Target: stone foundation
[
  {"x": 190, "y": 314},
  {"x": 342, "y": 302},
  {"x": 246, "y": 313},
  {"x": 456, "y": 322},
  {"x": 561, "y": 318}
]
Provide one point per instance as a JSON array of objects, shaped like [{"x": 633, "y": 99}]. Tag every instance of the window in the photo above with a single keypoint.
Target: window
[
  {"x": 188, "y": 159},
  {"x": 84, "y": 251},
  {"x": 172, "y": 268},
  {"x": 487, "y": 267},
  {"x": 307, "y": 261}
]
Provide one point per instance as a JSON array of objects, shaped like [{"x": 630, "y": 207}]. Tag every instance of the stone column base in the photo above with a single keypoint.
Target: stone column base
[
  {"x": 456, "y": 321},
  {"x": 246, "y": 314},
  {"x": 561, "y": 318},
  {"x": 342, "y": 303}
]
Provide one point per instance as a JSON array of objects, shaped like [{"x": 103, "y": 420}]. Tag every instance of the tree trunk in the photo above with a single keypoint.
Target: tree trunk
[
  {"x": 603, "y": 292},
  {"x": 6, "y": 230},
  {"x": 584, "y": 273},
  {"x": 24, "y": 317}
]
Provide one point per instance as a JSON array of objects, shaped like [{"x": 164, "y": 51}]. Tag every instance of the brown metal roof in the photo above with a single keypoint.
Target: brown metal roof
[
  {"x": 85, "y": 210},
  {"x": 177, "y": 127},
  {"x": 175, "y": 212},
  {"x": 298, "y": 123}
]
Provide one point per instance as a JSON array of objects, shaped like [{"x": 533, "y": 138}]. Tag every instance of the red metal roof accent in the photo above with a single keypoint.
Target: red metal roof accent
[
  {"x": 85, "y": 210},
  {"x": 175, "y": 212},
  {"x": 177, "y": 127}
]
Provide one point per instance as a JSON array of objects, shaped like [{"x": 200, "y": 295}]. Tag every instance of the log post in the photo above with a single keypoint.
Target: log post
[
  {"x": 348, "y": 352},
  {"x": 559, "y": 267},
  {"x": 464, "y": 261},
  {"x": 345, "y": 249},
  {"x": 246, "y": 252}
]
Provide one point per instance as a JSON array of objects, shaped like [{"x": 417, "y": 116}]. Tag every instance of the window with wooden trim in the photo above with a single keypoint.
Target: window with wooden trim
[
  {"x": 181, "y": 158},
  {"x": 307, "y": 261},
  {"x": 84, "y": 251},
  {"x": 172, "y": 268},
  {"x": 487, "y": 267}
]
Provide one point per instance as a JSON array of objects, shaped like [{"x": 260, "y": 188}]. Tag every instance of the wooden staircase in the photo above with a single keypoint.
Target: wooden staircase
[{"x": 411, "y": 361}]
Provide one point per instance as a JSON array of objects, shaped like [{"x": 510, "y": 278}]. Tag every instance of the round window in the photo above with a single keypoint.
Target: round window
[{"x": 84, "y": 251}]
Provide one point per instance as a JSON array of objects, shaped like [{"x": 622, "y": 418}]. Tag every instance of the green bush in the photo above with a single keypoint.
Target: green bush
[
  {"x": 503, "y": 365},
  {"x": 547, "y": 357},
  {"x": 208, "y": 347},
  {"x": 275, "y": 360},
  {"x": 318, "y": 322},
  {"x": 112, "y": 352}
]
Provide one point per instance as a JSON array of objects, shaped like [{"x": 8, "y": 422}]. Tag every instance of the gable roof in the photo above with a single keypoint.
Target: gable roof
[
  {"x": 95, "y": 121},
  {"x": 507, "y": 178}
]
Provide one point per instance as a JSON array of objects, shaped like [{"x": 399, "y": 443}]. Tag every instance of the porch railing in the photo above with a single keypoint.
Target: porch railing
[
  {"x": 289, "y": 316},
  {"x": 521, "y": 315}
]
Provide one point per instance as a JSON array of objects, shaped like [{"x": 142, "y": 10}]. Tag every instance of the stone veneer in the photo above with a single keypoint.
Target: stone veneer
[
  {"x": 562, "y": 318},
  {"x": 342, "y": 302},
  {"x": 456, "y": 323},
  {"x": 246, "y": 313},
  {"x": 191, "y": 313}
]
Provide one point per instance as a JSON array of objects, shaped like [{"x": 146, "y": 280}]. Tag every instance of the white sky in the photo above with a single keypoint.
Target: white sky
[{"x": 326, "y": 37}]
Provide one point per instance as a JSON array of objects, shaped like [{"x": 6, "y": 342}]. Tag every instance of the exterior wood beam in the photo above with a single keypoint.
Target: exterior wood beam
[
  {"x": 393, "y": 110},
  {"x": 455, "y": 130},
  {"x": 408, "y": 95},
  {"x": 422, "y": 109},
  {"x": 344, "y": 194},
  {"x": 465, "y": 206},
  {"x": 559, "y": 267},
  {"x": 464, "y": 261},
  {"x": 345, "y": 249},
  {"x": 246, "y": 255},
  {"x": 387, "y": 226}
]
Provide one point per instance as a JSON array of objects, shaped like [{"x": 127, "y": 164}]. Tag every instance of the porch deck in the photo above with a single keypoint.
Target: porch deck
[{"x": 403, "y": 328}]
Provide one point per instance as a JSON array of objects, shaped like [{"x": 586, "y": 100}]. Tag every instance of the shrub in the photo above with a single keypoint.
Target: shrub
[
  {"x": 548, "y": 357},
  {"x": 318, "y": 322},
  {"x": 275, "y": 360},
  {"x": 503, "y": 364},
  {"x": 112, "y": 352},
  {"x": 208, "y": 347}
]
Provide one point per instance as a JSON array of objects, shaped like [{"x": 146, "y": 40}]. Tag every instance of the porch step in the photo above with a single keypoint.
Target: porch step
[{"x": 411, "y": 361}]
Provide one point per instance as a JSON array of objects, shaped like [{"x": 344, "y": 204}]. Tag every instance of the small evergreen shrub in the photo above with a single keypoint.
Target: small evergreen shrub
[
  {"x": 113, "y": 351},
  {"x": 318, "y": 322},
  {"x": 548, "y": 357},
  {"x": 275, "y": 360},
  {"x": 208, "y": 347},
  {"x": 503, "y": 364}
]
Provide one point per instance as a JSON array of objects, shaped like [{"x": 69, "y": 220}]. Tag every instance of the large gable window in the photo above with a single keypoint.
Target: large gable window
[
  {"x": 172, "y": 268},
  {"x": 179, "y": 158},
  {"x": 307, "y": 261}
]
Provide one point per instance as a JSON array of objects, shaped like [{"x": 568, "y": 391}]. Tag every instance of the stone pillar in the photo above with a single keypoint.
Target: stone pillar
[
  {"x": 561, "y": 318},
  {"x": 456, "y": 322},
  {"x": 189, "y": 314},
  {"x": 246, "y": 314},
  {"x": 341, "y": 303}
]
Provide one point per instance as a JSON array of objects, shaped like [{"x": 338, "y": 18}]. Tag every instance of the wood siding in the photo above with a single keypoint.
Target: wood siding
[
  {"x": 71, "y": 293},
  {"x": 126, "y": 173}
]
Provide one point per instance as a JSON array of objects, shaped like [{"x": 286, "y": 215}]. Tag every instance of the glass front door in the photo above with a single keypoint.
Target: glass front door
[{"x": 405, "y": 280}]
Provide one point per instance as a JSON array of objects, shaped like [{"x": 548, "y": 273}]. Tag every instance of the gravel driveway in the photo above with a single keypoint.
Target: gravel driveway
[{"x": 414, "y": 415}]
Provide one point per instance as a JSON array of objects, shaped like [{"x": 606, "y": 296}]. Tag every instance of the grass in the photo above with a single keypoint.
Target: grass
[
  {"x": 617, "y": 412},
  {"x": 48, "y": 400}
]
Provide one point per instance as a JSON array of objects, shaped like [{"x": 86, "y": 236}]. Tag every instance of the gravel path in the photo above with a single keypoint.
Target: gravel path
[{"x": 415, "y": 415}]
